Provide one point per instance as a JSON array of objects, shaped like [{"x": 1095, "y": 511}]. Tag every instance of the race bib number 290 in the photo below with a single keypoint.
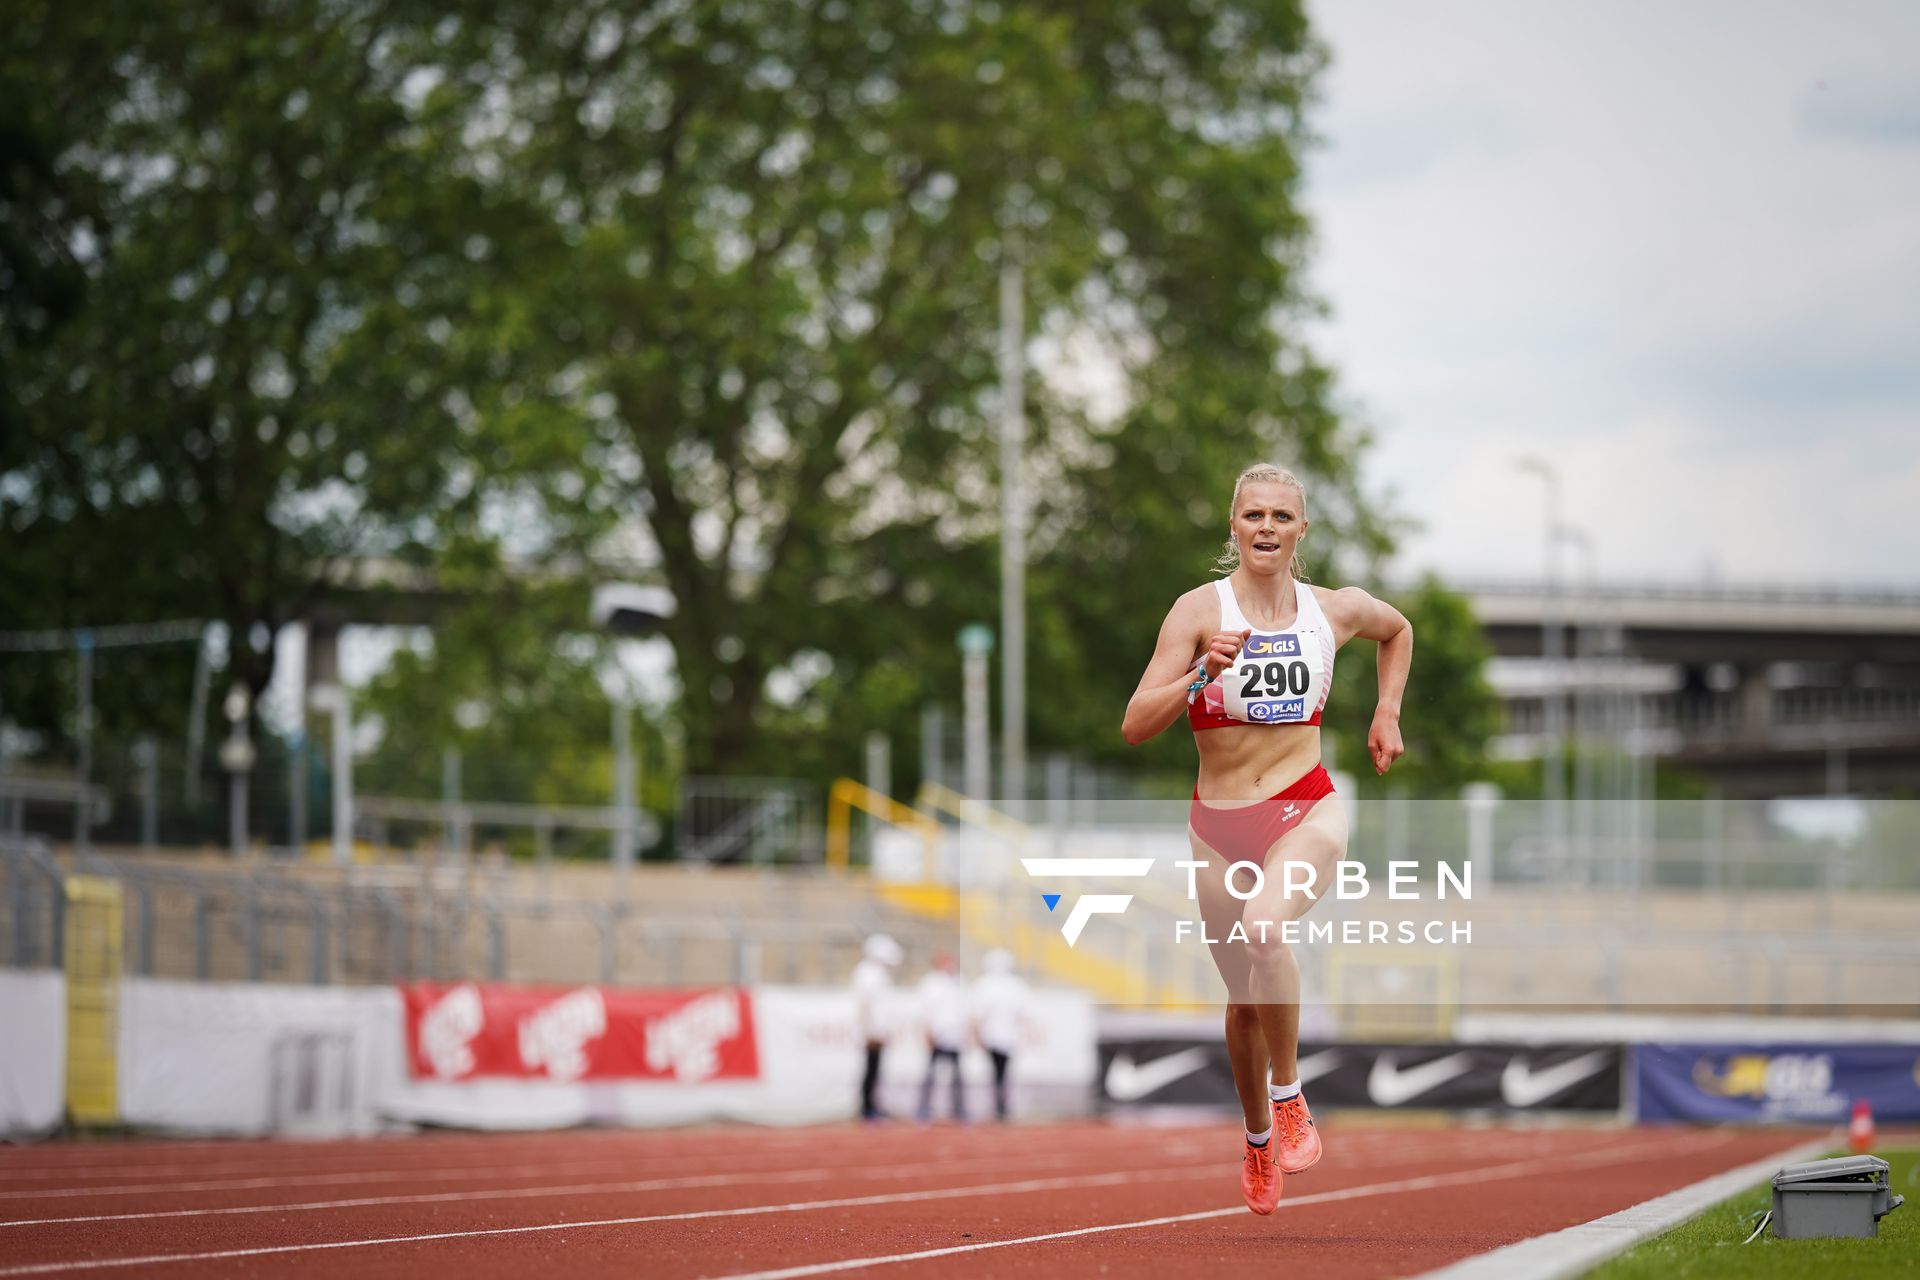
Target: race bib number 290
[{"x": 1275, "y": 680}]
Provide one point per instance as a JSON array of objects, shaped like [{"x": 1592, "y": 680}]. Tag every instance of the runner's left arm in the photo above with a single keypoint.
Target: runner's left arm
[{"x": 1358, "y": 614}]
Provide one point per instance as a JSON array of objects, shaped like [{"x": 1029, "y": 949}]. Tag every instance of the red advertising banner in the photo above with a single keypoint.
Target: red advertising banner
[{"x": 467, "y": 1030}]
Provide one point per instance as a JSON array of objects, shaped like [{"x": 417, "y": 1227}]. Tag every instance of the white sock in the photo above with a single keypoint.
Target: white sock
[
  {"x": 1281, "y": 1092},
  {"x": 1259, "y": 1139}
]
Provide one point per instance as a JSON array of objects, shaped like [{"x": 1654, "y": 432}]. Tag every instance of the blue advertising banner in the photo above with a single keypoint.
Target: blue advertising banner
[{"x": 1784, "y": 1083}]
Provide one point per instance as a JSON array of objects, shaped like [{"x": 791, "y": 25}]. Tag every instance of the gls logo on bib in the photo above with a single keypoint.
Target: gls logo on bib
[{"x": 1283, "y": 645}]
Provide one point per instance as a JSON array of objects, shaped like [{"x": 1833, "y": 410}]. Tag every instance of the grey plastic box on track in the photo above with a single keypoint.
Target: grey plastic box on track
[{"x": 1845, "y": 1196}]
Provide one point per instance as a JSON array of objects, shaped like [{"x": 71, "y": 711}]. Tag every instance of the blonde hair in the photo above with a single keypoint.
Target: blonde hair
[{"x": 1259, "y": 473}]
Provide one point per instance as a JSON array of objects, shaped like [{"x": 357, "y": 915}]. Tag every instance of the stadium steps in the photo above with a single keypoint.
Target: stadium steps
[{"x": 656, "y": 925}]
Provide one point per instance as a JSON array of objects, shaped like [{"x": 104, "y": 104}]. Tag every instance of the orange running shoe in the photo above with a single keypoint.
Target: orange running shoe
[
  {"x": 1296, "y": 1141},
  {"x": 1258, "y": 1182}
]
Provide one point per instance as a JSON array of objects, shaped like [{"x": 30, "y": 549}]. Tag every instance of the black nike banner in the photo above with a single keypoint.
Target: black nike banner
[{"x": 1177, "y": 1072}]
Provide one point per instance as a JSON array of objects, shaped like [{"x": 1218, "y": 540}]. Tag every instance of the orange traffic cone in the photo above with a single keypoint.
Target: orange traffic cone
[{"x": 1860, "y": 1128}]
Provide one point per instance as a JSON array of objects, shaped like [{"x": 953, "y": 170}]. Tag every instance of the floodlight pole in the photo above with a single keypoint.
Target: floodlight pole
[
  {"x": 454, "y": 835},
  {"x": 623, "y": 789},
  {"x": 1552, "y": 779},
  {"x": 83, "y": 807},
  {"x": 933, "y": 761},
  {"x": 332, "y": 698},
  {"x": 297, "y": 789},
  {"x": 1013, "y": 532},
  {"x": 1583, "y": 697},
  {"x": 976, "y": 643},
  {"x": 237, "y": 757},
  {"x": 146, "y": 754}
]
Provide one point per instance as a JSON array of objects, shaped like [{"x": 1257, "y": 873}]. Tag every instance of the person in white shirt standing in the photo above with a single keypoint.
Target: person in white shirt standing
[
  {"x": 943, "y": 1015},
  {"x": 999, "y": 999},
  {"x": 873, "y": 1010}
]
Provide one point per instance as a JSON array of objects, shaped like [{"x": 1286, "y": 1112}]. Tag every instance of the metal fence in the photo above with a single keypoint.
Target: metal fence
[
  {"x": 761, "y": 821},
  {"x": 34, "y": 893},
  {"x": 268, "y": 924}
]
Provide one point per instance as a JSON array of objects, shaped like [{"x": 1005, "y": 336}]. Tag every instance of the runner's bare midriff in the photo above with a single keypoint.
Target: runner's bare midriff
[{"x": 1239, "y": 765}]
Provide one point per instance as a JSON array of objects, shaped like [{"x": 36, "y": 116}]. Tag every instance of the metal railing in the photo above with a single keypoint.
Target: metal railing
[
  {"x": 762, "y": 821},
  {"x": 35, "y": 896},
  {"x": 457, "y": 823},
  {"x": 267, "y": 924},
  {"x": 1730, "y": 593},
  {"x": 1668, "y": 719}
]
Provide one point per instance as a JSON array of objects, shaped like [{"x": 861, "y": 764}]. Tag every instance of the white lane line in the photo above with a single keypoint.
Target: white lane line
[
  {"x": 939, "y": 1158},
  {"x": 886, "y": 1171},
  {"x": 1578, "y": 1249},
  {"x": 294, "y": 1163},
  {"x": 316, "y": 1161},
  {"x": 317, "y": 1180},
  {"x": 243, "y": 1157},
  {"x": 1212, "y": 1169},
  {"x": 388, "y": 1171},
  {"x": 319, "y": 1159},
  {"x": 1516, "y": 1169},
  {"x": 444, "y": 1140}
]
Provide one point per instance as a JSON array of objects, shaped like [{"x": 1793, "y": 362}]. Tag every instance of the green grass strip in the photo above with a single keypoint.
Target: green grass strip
[{"x": 1709, "y": 1246}]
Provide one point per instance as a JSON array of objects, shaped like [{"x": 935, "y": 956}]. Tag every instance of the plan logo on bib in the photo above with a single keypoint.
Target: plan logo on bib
[{"x": 1088, "y": 905}]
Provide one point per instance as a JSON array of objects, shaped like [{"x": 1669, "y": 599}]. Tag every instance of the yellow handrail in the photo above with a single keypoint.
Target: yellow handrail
[
  {"x": 845, "y": 795},
  {"x": 944, "y": 799}
]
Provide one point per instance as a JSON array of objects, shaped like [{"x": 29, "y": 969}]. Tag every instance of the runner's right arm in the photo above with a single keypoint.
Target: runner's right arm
[{"x": 1161, "y": 697}]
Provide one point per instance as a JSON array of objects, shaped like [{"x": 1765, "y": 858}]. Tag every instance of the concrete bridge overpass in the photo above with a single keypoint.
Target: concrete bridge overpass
[
  {"x": 1763, "y": 690},
  {"x": 1706, "y": 624}
]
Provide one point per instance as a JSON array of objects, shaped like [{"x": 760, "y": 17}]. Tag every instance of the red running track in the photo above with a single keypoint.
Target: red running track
[{"x": 1026, "y": 1200}]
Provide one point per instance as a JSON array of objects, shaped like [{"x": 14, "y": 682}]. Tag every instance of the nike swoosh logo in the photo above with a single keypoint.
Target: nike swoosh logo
[
  {"x": 1522, "y": 1086},
  {"x": 1128, "y": 1081},
  {"x": 1389, "y": 1086},
  {"x": 1315, "y": 1065}
]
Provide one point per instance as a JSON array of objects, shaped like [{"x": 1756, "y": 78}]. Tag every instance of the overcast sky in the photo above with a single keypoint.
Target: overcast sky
[{"x": 1675, "y": 249}]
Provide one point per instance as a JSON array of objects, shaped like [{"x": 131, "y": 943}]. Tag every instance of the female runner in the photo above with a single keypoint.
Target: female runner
[{"x": 1249, "y": 659}]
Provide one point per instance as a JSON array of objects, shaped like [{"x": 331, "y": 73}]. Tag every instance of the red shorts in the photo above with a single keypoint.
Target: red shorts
[{"x": 1246, "y": 832}]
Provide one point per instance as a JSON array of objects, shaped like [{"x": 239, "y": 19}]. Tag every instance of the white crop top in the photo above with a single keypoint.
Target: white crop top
[{"x": 1280, "y": 677}]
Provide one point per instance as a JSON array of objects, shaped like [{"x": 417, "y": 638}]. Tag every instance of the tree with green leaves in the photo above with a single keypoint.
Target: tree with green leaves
[
  {"x": 281, "y": 270},
  {"x": 1450, "y": 711},
  {"x": 773, "y": 314},
  {"x": 708, "y": 290},
  {"x": 522, "y": 695}
]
